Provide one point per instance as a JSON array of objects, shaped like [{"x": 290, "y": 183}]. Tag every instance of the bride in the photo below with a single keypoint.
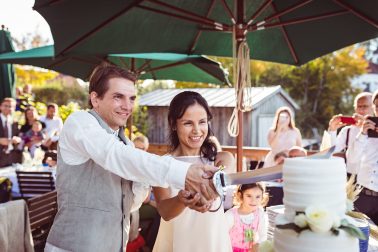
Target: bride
[{"x": 200, "y": 228}]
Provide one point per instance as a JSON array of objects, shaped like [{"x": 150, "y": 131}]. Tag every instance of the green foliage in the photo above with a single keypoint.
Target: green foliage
[
  {"x": 66, "y": 110},
  {"x": 61, "y": 94},
  {"x": 140, "y": 120},
  {"x": 146, "y": 88},
  {"x": 33, "y": 75},
  {"x": 41, "y": 108},
  {"x": 182, "y": 84},
  {"x": 321, "y": 87}
]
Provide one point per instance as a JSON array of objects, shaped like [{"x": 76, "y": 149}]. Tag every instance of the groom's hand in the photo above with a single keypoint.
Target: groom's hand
[{"x": 198, "y": 180}]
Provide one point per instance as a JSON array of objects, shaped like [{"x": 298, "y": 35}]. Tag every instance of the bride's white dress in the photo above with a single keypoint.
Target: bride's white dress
[{"x": 192, "y": 231}]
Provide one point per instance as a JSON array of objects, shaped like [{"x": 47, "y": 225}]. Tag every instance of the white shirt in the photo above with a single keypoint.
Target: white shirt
[
  {"x": 340, "y": 143},
  {"x": 53, "y": 127},
  {"x": 9, "y": 120},
  {"x": 365, "y": 151},
  {"x": 82, "y": 138}
]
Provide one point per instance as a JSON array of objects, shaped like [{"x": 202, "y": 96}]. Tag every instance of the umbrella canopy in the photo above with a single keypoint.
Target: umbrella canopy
[
  {"x": 284, "y": 31},
  {"x": 7, "y": 85},
  {"x": 193, "y": 68}
]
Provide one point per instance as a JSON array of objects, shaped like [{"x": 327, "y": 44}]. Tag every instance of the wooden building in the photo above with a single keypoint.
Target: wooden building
[{"x": 256, "y": 123}]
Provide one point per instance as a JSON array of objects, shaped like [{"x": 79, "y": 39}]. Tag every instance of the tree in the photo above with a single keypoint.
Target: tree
[
  {"x": 321, "y": 87},
  {"x": 33, "y": 75}
]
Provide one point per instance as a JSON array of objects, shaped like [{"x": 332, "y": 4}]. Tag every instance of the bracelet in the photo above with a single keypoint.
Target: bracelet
[{"x": 215, "y": 210}]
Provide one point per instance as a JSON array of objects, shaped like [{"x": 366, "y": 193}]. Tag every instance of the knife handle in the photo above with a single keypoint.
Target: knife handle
[{"x": 218, "y": 181}]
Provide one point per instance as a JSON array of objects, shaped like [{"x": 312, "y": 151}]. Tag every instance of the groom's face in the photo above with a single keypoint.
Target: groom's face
[{"x": 117, "y": 104}]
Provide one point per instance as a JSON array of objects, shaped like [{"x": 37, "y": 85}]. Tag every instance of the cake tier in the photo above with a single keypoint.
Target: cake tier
[
  {"x": 309, "y": 182},
  {"x": 286, "y": 240}
]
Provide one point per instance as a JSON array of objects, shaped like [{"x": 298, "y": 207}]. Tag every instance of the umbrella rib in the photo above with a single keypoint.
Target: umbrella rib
[
  {"x": 287, "y": 39},
  {"x": 123, "y": 62},
  {"x": 132, "y": 69},
  {"x": 357, "y": 13},
  {"x": 168, "y": 65},
  {"x": 228, "y": 11},
  {"x": 185, "y": 12},
  {"x": 297, "y": 21},
  {"x": 258, "y": 12},
  {"x": 93, "y": 31},
  {"x": 145, "y": 64},
  {"x": 216, "y": 25},
  {"x": 283, "y": 12},
  {"x": 196, "y": 38}
]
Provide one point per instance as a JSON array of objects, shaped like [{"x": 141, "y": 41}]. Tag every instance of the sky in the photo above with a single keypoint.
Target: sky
[{"x": 20, "y": 19}]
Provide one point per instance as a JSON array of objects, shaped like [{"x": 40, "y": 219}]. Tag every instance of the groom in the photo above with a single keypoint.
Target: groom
[{"x": 99, "y": 172}]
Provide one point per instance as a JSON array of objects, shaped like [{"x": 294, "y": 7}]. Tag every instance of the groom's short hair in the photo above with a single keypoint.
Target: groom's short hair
[{"x": 98, "y": 82}]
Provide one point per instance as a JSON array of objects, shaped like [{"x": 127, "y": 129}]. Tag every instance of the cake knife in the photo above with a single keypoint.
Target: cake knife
[{"x": 221, "y": 179}]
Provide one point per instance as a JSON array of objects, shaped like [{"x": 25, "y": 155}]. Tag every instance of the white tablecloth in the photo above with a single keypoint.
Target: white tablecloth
[{"x": 10, "y": 172}]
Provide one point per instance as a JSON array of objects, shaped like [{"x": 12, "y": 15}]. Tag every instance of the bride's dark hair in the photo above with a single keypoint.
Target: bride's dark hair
[{"x": 177, "y": 108}]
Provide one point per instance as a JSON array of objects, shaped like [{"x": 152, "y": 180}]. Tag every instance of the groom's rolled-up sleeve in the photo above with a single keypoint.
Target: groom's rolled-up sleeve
[{"x": 82, "y": 138}]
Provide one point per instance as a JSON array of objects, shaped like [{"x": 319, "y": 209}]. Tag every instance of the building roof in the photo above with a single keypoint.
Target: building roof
[{"x": 216, "y": 97}]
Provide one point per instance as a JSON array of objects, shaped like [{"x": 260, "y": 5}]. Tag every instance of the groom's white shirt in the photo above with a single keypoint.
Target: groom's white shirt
[{"x": 82, "y": 138}]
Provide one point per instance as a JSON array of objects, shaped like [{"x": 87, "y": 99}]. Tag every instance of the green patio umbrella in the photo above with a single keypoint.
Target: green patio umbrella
[
  {"x": 284, "y": 31},
  {"x": 7, "y": 85},
  {"x": 192, "y": 68}
]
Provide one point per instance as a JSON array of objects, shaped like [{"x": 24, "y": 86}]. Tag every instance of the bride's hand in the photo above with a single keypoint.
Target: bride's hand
[{"x": 192, "y": 201}]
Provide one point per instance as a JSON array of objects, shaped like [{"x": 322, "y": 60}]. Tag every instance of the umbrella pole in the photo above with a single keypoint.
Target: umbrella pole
[
  {"x": 239, "y": 143},
  {"x": 240, "y": 36}
]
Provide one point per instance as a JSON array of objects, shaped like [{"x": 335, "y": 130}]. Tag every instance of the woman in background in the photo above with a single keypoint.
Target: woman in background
[{"x": 282, "y": 135}]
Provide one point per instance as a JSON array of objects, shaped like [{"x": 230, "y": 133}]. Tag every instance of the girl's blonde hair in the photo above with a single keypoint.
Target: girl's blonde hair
[{"x": 238, "y": 198}]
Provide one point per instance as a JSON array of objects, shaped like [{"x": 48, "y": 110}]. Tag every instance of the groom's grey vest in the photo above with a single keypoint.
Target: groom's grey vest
[{"x": 93, "y": 206}]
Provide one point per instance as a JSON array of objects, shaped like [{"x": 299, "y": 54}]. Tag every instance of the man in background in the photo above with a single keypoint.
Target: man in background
[{"x": 9, "y": 139}]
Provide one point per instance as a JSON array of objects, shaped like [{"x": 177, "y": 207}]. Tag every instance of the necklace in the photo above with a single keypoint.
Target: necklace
[{"x": 248, "y": 230}]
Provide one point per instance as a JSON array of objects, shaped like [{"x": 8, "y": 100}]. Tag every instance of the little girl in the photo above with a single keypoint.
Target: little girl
[{"x": 248, "y": 223}]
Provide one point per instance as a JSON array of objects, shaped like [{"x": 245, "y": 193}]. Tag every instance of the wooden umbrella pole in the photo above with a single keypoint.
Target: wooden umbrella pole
[
  {"x": 240, "y": 36},
  {"x": 239, "y": 143}
]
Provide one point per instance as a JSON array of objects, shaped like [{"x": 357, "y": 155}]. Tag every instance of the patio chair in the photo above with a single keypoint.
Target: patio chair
[
  {"x": 32, "y": 184},
  {"x": 42, "y": 211},
  {"x": 256, "y": 164}
]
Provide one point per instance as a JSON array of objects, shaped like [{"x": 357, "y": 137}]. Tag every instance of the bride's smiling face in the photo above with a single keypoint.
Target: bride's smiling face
[{"x": 192, "y": 128}]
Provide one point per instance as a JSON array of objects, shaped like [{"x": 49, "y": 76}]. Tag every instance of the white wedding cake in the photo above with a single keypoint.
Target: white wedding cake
[{"x": 315, "y": 206}]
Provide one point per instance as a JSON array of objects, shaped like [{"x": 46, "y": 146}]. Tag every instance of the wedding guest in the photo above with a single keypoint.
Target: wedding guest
[
  {"x": 279, "y": 158},
  {"x": 347, "y": 135},
  {"x": 54, "y": 125},
  {"x": 364, "y": 150},
  {"x": 275, "y": 187},
  {"x": 189, "y": 126},
  {"x": 282, "y": 135},
  {"x": 297, "y": 151},
  {"x": 9, "y": 139},
  {"x": 248, "y": 222},
  {"x": 141, "y": 142},
  {"x": 136, "y": 241},
  {"x": 31, "y": 116},
  {"x": 101, "y": 176},
  {"x": 34, "y": 137}
]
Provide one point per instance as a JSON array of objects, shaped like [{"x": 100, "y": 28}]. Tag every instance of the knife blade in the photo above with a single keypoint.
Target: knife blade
[{"x": 221, "y": 179}]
